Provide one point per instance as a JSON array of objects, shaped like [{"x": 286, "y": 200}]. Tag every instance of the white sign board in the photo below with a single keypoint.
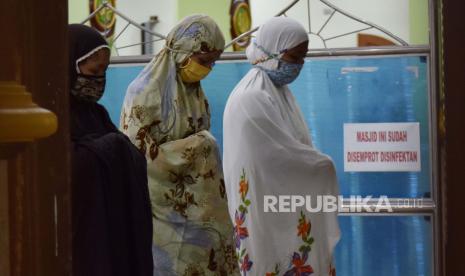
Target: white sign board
[{"x": 382, "y": 147}]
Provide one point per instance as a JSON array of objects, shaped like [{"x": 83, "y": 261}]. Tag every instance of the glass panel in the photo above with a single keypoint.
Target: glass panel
[
  {"x": 385, "y": 246},
  {"x": 367, "y": 90},
  {"x": 332, "y": 92}
]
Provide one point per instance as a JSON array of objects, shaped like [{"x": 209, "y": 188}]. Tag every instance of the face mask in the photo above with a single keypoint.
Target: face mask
[
  {"x": 89, "y": 88},
  {"x": 193, "y": 72},
  {"x": 285, "y": 74}
]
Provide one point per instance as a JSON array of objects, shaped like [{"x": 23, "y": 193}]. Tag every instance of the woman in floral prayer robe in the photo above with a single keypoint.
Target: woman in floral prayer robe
[
  {"x": 269, "y": 156},
  {"x": 166, "y": 115}
]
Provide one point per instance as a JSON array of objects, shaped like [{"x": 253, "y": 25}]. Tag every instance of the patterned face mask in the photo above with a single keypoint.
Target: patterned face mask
[
  {"x": 285, "y": 74},
  {"x": 89, "y": 88}
]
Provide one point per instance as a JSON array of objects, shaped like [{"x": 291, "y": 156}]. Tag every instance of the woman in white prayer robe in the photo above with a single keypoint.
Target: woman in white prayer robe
[{"x": 268, "y": 155}]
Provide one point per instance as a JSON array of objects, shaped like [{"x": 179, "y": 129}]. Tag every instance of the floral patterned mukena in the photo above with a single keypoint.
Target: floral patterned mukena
[
  {"x": 169, "y": 122},
  {"x": 240, "y": 230},
  {"x": 298, "y": 265}
]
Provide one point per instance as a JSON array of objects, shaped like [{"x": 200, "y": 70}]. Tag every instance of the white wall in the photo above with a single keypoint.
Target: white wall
[
  {"x": 140, "y": 11},
  {"x": 393, "y": 15},
  {"x": 78, "y": 10}
]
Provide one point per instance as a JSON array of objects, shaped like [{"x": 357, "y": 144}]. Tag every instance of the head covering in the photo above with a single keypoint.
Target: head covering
[
  {"x": 267, "y": 151},
  {"x": 188, "y": 36},
  {"x": 277, "y": 35},
  {"x": 158, "y": 85},
  {"x": 83, "y": 42},
  {"x": 86, "y": 117}
]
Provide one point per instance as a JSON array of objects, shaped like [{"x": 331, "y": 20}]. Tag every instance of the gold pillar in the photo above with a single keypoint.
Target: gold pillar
[{"x": 21, "y": 120}]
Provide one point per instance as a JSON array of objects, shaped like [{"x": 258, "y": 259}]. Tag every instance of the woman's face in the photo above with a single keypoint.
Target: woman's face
[
  {"x": 206, "y": 57},
  {"x": 96, "y": 64},
  {"x": 297, "y": 54}
]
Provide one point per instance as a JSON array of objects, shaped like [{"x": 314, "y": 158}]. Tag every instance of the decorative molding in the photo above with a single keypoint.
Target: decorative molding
[{"x": 241, "y": 22}]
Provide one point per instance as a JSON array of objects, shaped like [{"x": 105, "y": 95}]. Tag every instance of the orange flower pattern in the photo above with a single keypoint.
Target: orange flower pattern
[
  {"x": 240, "y": 230},
  {"x": 298, "y": 265}
]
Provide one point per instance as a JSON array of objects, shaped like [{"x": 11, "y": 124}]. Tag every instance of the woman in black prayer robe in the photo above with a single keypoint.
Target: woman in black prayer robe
[{"x": 112, "y": 224}]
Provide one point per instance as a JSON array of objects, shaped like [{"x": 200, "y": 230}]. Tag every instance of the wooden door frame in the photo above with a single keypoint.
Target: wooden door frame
[
  {"x": 35, "y": 54},
  {"x": 452, "y": 153}
]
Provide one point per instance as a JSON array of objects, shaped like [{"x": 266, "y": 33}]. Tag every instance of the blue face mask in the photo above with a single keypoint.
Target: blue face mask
[{"x": 285, "y": 74}]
